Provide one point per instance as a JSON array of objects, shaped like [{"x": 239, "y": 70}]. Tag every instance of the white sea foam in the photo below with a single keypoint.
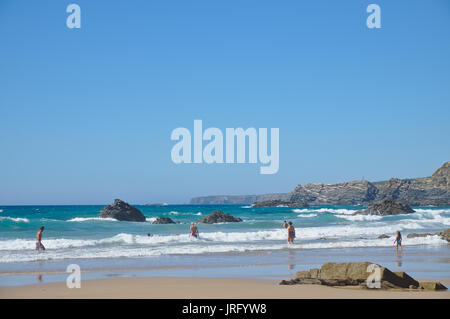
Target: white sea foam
[
  {"x": 249, "y": 206},
  {"x": 17, "y": 220},
  {"x": 1, "y": 210},
  {"x": 432, "y": 211},
  {"x": 150, "y": 219},
  {"x": 342, "y": 232},
  {"x": 360, "y": 217},
  {"x": 325, "y": 210},
  {"x": 307, "y": 215},
  {"x": 197, "y": 247},
  {"x": 386, "y": 242}
]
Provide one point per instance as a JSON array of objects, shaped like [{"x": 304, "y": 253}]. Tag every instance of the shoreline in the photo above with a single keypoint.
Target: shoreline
[
  {"x": 421, "y": 262},
  {"x": 204, "y": 288}
]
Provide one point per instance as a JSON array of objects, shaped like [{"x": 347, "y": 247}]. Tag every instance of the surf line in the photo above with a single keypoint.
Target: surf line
[{"x": 214, "y": 151}]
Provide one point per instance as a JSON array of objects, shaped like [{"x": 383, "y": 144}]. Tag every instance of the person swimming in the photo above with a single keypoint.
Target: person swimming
[
  {"x": 398, "y": 241},
  {"x": 291, "y": 233},
  {"x": 39, "y": 245},
  {"x": 194, "y": 230}
]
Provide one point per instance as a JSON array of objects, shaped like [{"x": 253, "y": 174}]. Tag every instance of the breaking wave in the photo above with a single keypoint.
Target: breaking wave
[{"x": 17, "y": 220}]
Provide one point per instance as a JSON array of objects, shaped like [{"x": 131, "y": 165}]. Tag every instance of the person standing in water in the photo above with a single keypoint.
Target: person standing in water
[
  {"x": 194, "y": 230},
  {"x": 398, "y": 241},
  {"x": 291, "y": 233},
  {"x": 39, "y": 245},
  {"x": 285, "y": 225}
]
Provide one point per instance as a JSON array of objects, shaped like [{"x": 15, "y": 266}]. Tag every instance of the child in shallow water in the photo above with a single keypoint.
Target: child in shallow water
[
  {"x": 398, "y": 241},
  {"x": 291, "y": 233}
]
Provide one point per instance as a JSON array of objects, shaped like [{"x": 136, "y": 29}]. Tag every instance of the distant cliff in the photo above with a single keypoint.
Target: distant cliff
[
  {"x": 237, "y": 199},
  {"x": 433, "y": 190}
]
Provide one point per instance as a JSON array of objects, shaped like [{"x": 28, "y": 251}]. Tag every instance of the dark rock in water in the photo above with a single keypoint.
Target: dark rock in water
[
  {"x": 278, "y": 202},
  {"x": 383, "y": 236},
  {"x": 219, "y": 217},
  {"x": 164, "y": 220},
  {"x": 413, "y": 235},
  {"x": 444, "y": 234},
  {"x": 385, "y": 208},
  {"x": 352, "y": 274},
  {"x": 122, "y": 211}
]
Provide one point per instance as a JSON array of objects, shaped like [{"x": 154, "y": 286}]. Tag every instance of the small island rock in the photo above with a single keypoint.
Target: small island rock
[
  {"x": 385, "y": 208},
  {"x": 164, "y": 220},
  {"x": 122, "y": 211},
  {"x": 219, "y": 217}
]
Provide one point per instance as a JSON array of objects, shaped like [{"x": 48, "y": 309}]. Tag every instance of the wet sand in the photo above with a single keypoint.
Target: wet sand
[{"x": 203, "y": 288}]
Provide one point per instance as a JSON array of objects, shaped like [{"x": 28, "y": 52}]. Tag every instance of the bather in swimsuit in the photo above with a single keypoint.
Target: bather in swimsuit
[{"x": 39, "y": 246}]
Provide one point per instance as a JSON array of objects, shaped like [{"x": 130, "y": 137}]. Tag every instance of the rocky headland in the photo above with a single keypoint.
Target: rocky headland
[
  {"x": 279, "y": 203},
  {"x": 236, "y": 199},
  {"x": 433, "y": 190}
]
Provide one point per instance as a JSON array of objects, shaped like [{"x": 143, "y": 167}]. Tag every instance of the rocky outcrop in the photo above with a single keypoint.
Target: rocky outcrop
[
  {"x": 219, "y": 217},
  {"x": 122, "y": 211},
  {"x": 164, "y": 220},
  {"x": 414, "y": 235},
  {"x": 356, "y": 274},
  {"x": 433, "y": 190},
  {"x": 383, "y": 236},
  {"x": 445, "y": 235},
  {"x": 279, "y": 203},
  {"x": 429, "y": 285},
  {"x": 385, "y": 208},
  {"x": 237, "y": 199},
  {"x": 348, "y": 193}
]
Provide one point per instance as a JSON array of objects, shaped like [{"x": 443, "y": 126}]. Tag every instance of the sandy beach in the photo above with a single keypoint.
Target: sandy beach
[{"x": 204, "y": 288}]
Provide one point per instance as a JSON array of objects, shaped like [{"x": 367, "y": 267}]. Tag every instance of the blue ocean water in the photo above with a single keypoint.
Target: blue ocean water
[{"x": 76, "y": 232}]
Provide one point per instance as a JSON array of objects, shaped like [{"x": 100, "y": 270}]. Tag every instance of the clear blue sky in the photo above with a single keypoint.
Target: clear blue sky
[{"x": 86, "y": 115}]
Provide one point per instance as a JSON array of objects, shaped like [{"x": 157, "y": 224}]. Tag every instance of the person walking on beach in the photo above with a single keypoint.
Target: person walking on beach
[
  {"x": 398, "y": 241},
  {"x": 194, "y": 230},
  {"x": 285, "y": 225},
  {"x": 291, "y": 233},
  {"x": 39, "y": 245}
]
